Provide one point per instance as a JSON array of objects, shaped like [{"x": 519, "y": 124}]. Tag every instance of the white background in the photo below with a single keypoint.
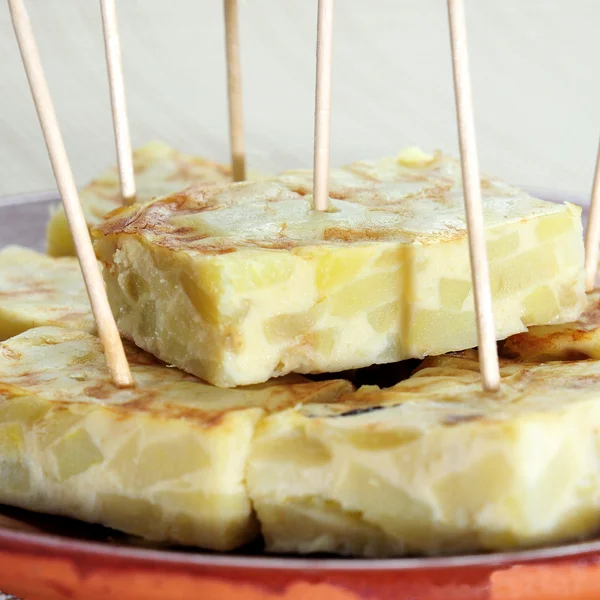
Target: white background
[{"x": 535, "y": 63}]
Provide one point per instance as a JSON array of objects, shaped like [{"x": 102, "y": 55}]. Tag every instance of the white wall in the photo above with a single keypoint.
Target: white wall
[{"x": 536, "y": 76}]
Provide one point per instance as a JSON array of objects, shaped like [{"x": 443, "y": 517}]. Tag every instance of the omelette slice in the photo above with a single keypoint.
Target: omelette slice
[
  {"x": 165, "y": 461},
  {"x": 570, "y": 341},
  {"x": 237, "y": 284},
  {"x": 435, "y": 465},
  {"x": 36, "y": 290},
  {"x": 159, "y": 170}
]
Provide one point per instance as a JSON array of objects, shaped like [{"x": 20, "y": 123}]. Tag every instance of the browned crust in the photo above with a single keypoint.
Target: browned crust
[{"x": 559, "y": 344}]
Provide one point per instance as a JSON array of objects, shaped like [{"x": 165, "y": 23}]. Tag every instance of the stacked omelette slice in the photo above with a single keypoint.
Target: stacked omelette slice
[{"x": 242, "y": 283}]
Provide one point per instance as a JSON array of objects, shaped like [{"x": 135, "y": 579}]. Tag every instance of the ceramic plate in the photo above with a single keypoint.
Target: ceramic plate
[{"x": 52, "y": 558}]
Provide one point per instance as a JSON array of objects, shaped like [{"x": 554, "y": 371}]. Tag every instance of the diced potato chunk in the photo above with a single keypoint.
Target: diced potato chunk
[
  {"x": 454, "y": 292},
  {"x": 446, "y": 327},
  {"x": 503, "y": 246},
  {"x": 11, "y": 441},
  {"x": 542, "y": 301},
  {"x": 16, "y": 479},
  {"x": 523, "y": 271},
  {"x": 76, "y": 453}
]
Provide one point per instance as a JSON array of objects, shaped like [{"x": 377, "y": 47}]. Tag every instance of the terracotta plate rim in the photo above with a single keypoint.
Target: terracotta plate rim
[{"x": 55, "y": 543}]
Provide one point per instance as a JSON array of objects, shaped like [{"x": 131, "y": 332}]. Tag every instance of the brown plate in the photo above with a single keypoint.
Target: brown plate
[{"x": 52, "y": 558}]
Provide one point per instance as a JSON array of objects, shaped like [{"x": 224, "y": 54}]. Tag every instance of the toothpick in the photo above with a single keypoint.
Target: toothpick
[
  {"x": 592, "y": 234},
  {"x": 323, "y": 105},
  {"x": 234, "y": 89},
  {"x": 107, "y": 328},
  {"x": 486, "y": 332},
  {"x": 112, "y": 48}
]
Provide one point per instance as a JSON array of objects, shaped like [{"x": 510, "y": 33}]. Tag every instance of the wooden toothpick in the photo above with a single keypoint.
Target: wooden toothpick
[
  {"x": 234, "y": 89},
  {"x": 107, "y": 328},
  {"x": 112, "y": 48},
  {"x": 323, "y": 105},
  {"x": 592, "y": 234},
  {"x": 486, "y": 332}
]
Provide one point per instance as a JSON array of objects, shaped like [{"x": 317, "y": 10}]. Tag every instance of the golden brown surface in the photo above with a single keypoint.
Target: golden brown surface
[
  {"x": 37, "y": 290},
  {"x": 159, "y": 170},
  {"x": 570, "y": 341},
  {"x": 390, "y": 199}
]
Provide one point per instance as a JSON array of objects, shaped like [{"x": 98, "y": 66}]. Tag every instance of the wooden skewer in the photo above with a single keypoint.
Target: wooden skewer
[
  {"x": 323, "y": 105},
  {"x": 234, "y": 89},
  {"x": 112, "y": 48},
  {"x": 592, "y": 235},
  {"x": 486, "y": 332},
  {"x": 107, "y": 328}
]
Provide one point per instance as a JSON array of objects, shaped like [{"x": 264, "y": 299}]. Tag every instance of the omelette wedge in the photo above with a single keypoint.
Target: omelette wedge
[
  {"x": 37, "y": 290},
  {"x": 435, "y": 465},
  {"x": 237, "y": 284},
  {"x": 159, "y": 170},
  {"x": 165, "y": 461},
  {"x": 569, "y": 341}
]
